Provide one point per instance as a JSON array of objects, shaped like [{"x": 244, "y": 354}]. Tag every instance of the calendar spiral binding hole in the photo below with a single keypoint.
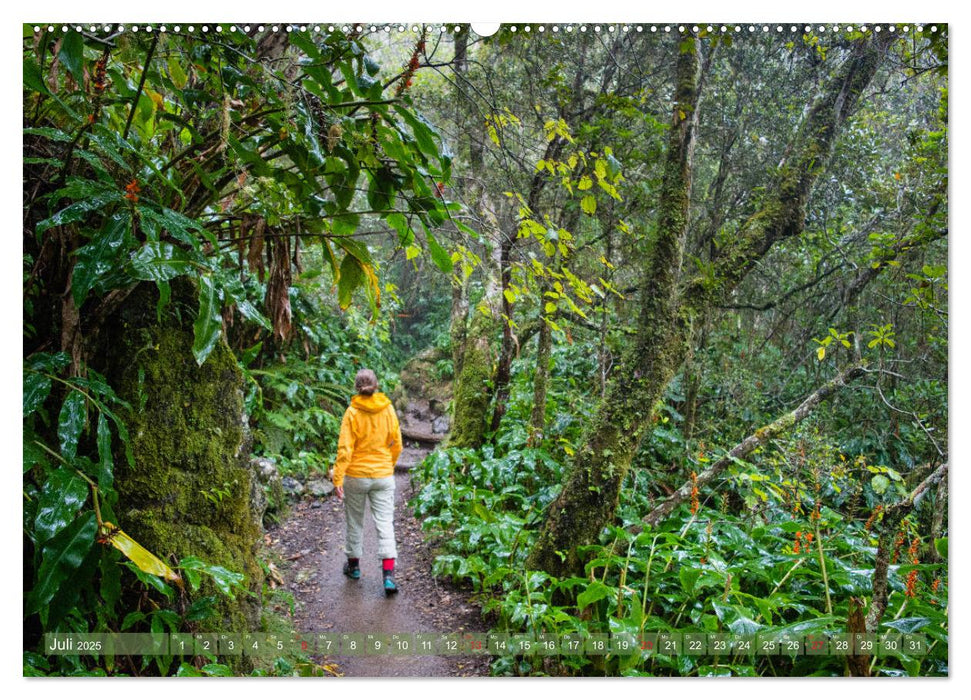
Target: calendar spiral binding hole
[{"x": 521, "y": 29}]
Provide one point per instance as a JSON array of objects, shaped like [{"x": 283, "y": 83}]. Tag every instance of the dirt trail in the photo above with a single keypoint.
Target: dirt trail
[{"x": 311, "y": 542}]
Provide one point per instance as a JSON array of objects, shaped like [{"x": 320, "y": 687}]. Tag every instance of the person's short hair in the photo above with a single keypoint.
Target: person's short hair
[{"x": 366, "y": 382}]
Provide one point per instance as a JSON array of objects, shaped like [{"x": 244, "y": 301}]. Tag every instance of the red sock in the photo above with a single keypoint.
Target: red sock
[{"x": 387, "y": 564}]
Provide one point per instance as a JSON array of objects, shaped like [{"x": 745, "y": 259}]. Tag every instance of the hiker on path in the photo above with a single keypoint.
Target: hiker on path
[{"x": 368, "y": 447}]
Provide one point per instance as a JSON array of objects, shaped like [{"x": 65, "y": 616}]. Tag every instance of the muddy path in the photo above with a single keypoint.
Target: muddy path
[{"x": 310, "y": 542}]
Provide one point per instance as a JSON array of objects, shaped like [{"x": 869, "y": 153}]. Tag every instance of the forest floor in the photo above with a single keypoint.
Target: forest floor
[{"x": 310, "y": 543}]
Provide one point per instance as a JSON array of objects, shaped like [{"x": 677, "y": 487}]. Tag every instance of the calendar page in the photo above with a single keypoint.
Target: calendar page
[{"x": 453, "y": 350}]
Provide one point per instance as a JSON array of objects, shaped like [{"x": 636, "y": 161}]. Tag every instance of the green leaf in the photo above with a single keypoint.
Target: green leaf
[
  {"x": 424, "y": 134},
  {"x": 744, "y": 626},
  {"x": 99, "y": 256},
  {"x": 908, "y": 625},
  {"x": 106, "y": 465},
  {"x": 33, "y": 78},
  {"x": 351, "y": 277},
  {"x": 150, "y": 580},
  {"x": 208, "y": 323},
  {"x": 594, "y": 592},
  {"x": 820, "y": 353},
  {"x": 79, "y": 210},
  {"x": 228, "y": 582},
  {"x": 689, "y": 577},
  {"x": 880, "y": 484},
  {"x": 440, "y": 256},
  {"x": 221, "y": 670},
  {"x": 940, "y": 544},
  {"x": 37, "y": 387},
  {"x": 160, "y": 262},
  {"x": 63, "y": 495},
  {"x": 70, "y": 423},
  {"x": 381, "y": 191},
  {"x": 62, "y": 556},
  {"x": 176, "y": 73},
  {"x": 72, "y": 54},
  {"x": 589, "y": 205}
]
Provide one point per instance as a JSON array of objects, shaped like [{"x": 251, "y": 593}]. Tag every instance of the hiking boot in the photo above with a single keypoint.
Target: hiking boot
[
  {"x": 389, "y": 586},
  {"x": 352, "y": 571}
]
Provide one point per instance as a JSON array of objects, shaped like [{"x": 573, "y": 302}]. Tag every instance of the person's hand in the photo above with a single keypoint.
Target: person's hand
[
  {"x": 330, "y": 474},
  {"x": 339, "y": 490}
]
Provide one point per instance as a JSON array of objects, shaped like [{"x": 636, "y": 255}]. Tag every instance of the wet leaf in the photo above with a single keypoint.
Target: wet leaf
[
  {"x": 70, "y": 423},
  {"x": 36, "y": 389},
  {"x": 63, "y": 495},
  {"x": 62, "y": 556},
  {"x": 208, "y": 323}
]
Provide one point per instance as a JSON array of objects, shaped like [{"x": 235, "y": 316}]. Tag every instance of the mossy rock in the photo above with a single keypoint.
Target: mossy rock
[{"x": 191, "y": 491}]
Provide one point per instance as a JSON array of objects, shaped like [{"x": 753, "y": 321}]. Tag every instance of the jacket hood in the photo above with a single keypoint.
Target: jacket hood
[{"x": 375, "y": 403}]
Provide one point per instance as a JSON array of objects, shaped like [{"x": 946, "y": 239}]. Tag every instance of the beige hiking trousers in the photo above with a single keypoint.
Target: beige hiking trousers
[{"x": 380, "y": 494}]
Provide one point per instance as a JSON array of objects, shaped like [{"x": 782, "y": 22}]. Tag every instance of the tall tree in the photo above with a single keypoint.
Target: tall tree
[{"x": 669, "y": 304}]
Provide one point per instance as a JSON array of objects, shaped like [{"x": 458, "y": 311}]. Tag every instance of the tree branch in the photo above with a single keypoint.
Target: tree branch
[
  {"x": 746, "y": 446},
  {"x": 888, "y": 527}
]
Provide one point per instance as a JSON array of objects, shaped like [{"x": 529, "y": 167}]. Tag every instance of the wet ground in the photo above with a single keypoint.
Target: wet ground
[{"x": 311, "y": 544}]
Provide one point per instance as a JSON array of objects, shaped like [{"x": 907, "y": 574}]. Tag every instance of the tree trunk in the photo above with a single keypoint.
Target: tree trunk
[
  {"x": 472, "y": 394},
  {"x": 591, "y": 492},
  {"x": 541, "y": 378},
  {"x": 592, "y": 489}
]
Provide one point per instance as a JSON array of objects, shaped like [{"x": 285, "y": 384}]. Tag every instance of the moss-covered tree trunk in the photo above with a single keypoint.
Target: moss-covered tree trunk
[
  {"x": 592, "y": 489},
  {"x": 192, "y": 490},
  {"x": 473, "y": 389},
  {"x": 591, "y": 492}
]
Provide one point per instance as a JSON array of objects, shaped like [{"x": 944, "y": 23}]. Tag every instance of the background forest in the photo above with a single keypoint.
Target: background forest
[{"x": 682, "y": 296}]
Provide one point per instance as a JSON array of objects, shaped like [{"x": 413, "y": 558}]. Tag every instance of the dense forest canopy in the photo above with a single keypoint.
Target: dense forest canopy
[{"x": 680, "y": 294}]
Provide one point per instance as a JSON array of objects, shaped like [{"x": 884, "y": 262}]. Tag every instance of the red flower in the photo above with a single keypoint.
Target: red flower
[
  {"x": 695, "y": 504},
  {"x": 911, "y": 584},
  {"x": 131, "y": 191}
]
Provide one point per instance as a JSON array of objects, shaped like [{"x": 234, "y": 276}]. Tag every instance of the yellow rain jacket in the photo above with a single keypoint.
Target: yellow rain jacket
[{"x": 370, "y": 439}]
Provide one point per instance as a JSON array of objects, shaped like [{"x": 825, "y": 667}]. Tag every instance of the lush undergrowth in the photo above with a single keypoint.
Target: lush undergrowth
[{"x": 781, "y": 544}]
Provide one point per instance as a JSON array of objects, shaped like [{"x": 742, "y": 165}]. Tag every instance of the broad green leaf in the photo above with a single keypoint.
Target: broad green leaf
[
  {"x": 744, "y": 626},
  {"x": 37, "y": 387},
  {"x": 594, "y": 592},
  {"x": 79, "y": 210},
  {"x": 33, "y": 79},
  {"x": 160, "y": 262},
  {"x": 72, "y": 54},
  {"x": 62, "y": 556},
  {"x": 176, "y": 73},
  {"x": 220, "y": 670},
  {"x": 351, "y": 277},
  {"x": 251, "y": 313},
  {"x": 227, "y": 581},
  {"x": 908, "y": 625},
  {"x": 440, "y": 256},
  {"x": 63, "y": 495},
  {"x": 208, "y": 323},
  {"x": 880, "y": 484},
  {"x": 689, "y": 577},
  {"x": 940, "y": 544},
  {"x": 70, "y": 423},
  {"x": 99, "y": 256}
]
